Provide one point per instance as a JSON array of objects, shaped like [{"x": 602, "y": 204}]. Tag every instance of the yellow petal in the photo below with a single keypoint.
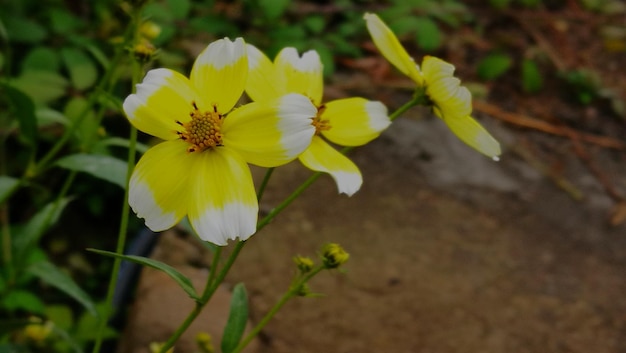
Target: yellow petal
[
  {"x": 270, "y": 133},
  {"x": 223, "y": 202},
  {"x": 219, "y": 74},
  {"x": 322, "y": 157},
  {"x": 302, "y": 75},
  {"x": 391, "y": 48},
  {"x": 472, "y": 133},
  {"x": 263, "y": 82},
  {"x": 435, "y": 69},
  {"x": 158, "y": 190},
  {"x": 354, "y": 121},
  {"x": 458, "y": 105},
  {"x": 163, "y": 97}
]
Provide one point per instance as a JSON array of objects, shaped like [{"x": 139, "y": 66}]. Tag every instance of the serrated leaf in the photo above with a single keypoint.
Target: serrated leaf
[
  {"x": 237, "y": 319},
  {"x": 494, "y": 66},
  {"x": 24, "y": 109},
  {"x": 37, "y": 225},
  {"x": 52, "y": 275},
  {"x": 103, "y": 167},
  {"x": 7, "y": 185},
  {"x": 82, "y": 69},
  {"x": 532, "y": 80},
  {"x": 428, "y": 35},
  {"x": 22, "y": 300},
  {"x": 182, "y": 280}
]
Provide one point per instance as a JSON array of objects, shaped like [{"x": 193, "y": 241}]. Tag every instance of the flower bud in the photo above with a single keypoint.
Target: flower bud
[
  {"x": 333, "y": 255},
  {"x": 305, "y": 264}
]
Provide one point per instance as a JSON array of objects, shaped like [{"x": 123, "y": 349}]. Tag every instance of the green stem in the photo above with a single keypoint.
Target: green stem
[
  {"x": 294, "y": 290},
  {"x": 210, "y": 289},
  {"x": 123, "y": 230},
  {"x": 266, "y": 179}
]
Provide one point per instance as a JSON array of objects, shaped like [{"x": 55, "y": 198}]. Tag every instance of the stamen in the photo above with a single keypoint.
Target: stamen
[
  {"x": 319, "y": 123},
  {"x": 203, "y": 131}
]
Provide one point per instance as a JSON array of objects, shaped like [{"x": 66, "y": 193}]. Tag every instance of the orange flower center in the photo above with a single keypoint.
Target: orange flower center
[
  {"x": 319, "y": 123},
  {"x": 203, "y": 131}
]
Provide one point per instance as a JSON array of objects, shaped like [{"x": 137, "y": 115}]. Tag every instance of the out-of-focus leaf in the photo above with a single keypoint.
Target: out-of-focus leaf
[
  {"x": 273, "y": 9},
  {"x": 52, "y": 275},
  {"x": 217, "y": 25},
  {"x": 122, "y": 142},
  {"x": 61, "y": 315},
  {"x": 23, "y": 109},
  {"x": 404, "y": 25},
  {"x": 179, "y": 8},
  {"x": 315, "y": 24},
  {"x": 22, "y": 300},
  {"x": 41, "y": 86},
  {"x": 47, "y": 116},
  {"x": 326, "y": 55},
  {"x": 237, "y": 319},
  {"x": 87, "y": 327},
  {"x": 183, "y": 281},
  {"x": 41, "y": 58},
  {"x": 82, "y": 69},
  {"x": 101, "y": 166},
  {"x": 531, "y": 77},
  {"x": 428, "y": 35},
  {"x": 7, "y": 185},
  {"x": 63, "y": 22},
  {"x": 37, "y": 225},
  {"x": 500, "y": 4},
  {"x": 493, "y": 66},
  {"x": 74, "y": 110},
  {"x": 24, "y": 30}
]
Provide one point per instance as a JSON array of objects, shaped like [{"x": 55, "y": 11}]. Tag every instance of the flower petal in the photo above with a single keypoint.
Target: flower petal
[
  {"x": 163, "y": 97},
  {"x": 354, "y": 121},
  {"x": 270, "y": 133},
  {"x": 219, "y": 74},
  {"x": 452, "y": 100},
  {"x": 158, "y": 190},
  {"x": 263, "y": 83},
  {"x": 435, "y": 69},
  {"x": 472, "y": 133},
  {"x": 391, "y": 48},
  {"x": 302, "y": 75},
  {"x": 223, "y": 201},
  {"x": 322, "y": 157}
]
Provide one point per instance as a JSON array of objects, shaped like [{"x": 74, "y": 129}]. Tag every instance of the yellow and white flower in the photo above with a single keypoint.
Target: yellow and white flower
[
  {"x": 346, "y": 122},
  {"x": 451, "y": 102},
  {"x": 200, "y": 170}
]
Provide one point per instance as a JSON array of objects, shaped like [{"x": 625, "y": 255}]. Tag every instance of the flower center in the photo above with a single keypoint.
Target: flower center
[
  {"x": 203, "y": 131},
  {"x": 319, "y": 123}
]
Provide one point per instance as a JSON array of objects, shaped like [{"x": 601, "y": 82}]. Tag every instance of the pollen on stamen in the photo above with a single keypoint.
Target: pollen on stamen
[{"x": 203, "y": 131}]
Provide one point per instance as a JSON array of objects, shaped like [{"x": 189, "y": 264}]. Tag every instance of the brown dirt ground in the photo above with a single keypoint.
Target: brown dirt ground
[{"x": 451, "y": 252}]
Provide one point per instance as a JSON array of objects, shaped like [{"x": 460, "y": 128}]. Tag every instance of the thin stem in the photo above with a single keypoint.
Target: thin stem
[
  {"x": 213, "y": 269},
  {"x": 266, "y": 179},
  {"x": 123, "y": 230},
  {"x": 293, "y": 291}
]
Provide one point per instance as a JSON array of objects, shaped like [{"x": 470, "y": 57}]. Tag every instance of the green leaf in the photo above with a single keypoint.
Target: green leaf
[
  {"x": 183, "y": 282},
  {"x": 22, "y": 300},
  {"x": 237, "y": 319},
  {"x": 82, "y": 69},
  {"x": 315, "y": 24},
  {"x": 7, "y": 185},
  {"x": 532, "y": 80},
  {"x": 24, "y": 30},
  {"x": 87, "y": 327},
  {"x": 37, "y": 225},
  {"x": 41, "y": 86},
  {"x": 403, "y": 25},
  {"x": 41, "y": 58},
  {"x": 24, "y": 109},
  {"x": 103, "y": 167},
  {"x": 48, "y": 116},
  {"x": 326, "y": 56},
  {"x": 61, "y": 315},
  {"x": 273, "y": 9},
  {"x": 63, "y": 22},
  {"x": 494, "y": 66},
  {"x": 121, "y": 142},
  {"x": 49, "y": 273},
  {"x": 179, "y": 8},
  {"x": 428, "y": 36}
]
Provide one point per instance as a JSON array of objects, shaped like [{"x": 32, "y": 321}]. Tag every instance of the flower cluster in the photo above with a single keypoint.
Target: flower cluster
[{"x": 200, "y": 170}]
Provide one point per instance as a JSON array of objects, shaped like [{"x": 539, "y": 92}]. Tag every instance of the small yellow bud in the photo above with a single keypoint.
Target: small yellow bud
[
  {"x": 155, "y": 347},
  {"x": 305, "y": 264},
  {"x": 144, "y": 51},
  {"x": 204, "y": 342},
  {"x": 38, "y": 332},
  {"x": 149, "y": 30},
  {"x": 303, "y": 290},
  {"x": 333, "y": 255}
]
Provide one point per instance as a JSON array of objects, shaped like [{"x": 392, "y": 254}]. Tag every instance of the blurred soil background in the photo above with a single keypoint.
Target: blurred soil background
[{"x": 450, "y": 251}]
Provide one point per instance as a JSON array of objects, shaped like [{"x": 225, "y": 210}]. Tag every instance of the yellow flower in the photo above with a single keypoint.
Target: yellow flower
[
  {"x": 200, "y": 169},
  {"x": 346, "y": 122},
  {"x": 451, "y": 101}
]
